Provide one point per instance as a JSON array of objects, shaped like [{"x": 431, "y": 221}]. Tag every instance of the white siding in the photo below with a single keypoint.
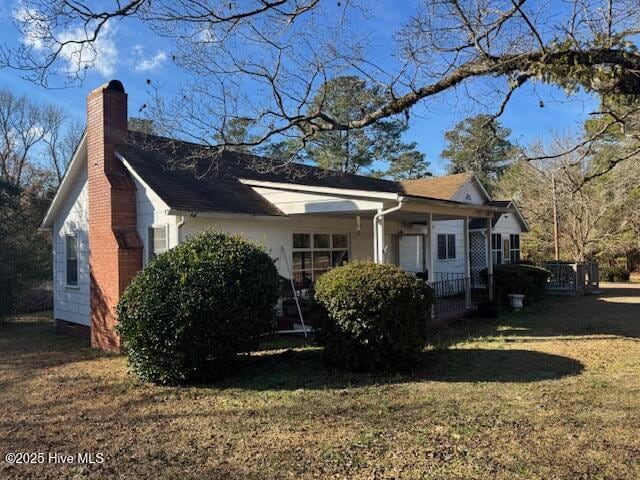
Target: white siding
[
  {"x": 291, "y": 202},
  {"x": 454, "y": 265},
  {"x": 71, "y": 303},
  {"x": 152, "y": 211},
  {"x": 507, "y": 224},
  {"x": 275, "y": 234},
  {"x": 470, "y": 192}
]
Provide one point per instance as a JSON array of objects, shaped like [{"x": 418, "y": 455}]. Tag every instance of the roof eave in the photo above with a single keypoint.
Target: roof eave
[
  {"x": 474, "y": 178},
  {"x": 212, "y": 214},
  {"x": 455, "y": 204},
  {"x": 63, "y": 188},
  {"x": 297, "y": 187},
  {"x": 523, "y": 221}
]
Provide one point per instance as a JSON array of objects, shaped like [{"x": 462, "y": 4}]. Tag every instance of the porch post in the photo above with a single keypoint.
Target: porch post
[
  {"x": 467, "y": 265},
  {"x": 432, "y": 274},
  {"x": 378, "y": 239},
  {"x": 375, "y": 239},
  {"x": 489, "y": 259}
]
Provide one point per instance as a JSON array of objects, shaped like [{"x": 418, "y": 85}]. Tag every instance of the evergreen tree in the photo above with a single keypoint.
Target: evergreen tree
[
  {"x": 479, "y": 144},
  {"x": 236, "y": 133},
  {"x": 356, "y": 151},
  {"x": 408, "y": 165}
]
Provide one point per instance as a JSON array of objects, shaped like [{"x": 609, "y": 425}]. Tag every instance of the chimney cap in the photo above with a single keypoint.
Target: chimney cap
[{"x": 115, "y": 85}]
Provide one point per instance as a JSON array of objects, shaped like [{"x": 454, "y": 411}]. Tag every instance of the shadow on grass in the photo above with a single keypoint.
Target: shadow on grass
[
  {"x": 29, "y": 345},
  {"x": 616, "y": 312},
  {"x": 305, "y": 369},
  {"x": 31, "y": 342}
]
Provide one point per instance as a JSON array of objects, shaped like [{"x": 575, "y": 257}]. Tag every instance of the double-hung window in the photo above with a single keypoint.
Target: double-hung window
[
  {"x": 514, "y": 252},
  {"x": 157, "y": 241},
  {"x": 446, "y": 246},
  {"x": 72, "y": 259},
  {"x": 506, "y": 249},
  {"x": 315, "y": 253},
  {"x": 496, "y": 248}
]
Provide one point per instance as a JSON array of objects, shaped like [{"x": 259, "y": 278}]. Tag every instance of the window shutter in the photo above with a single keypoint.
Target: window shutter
[
  {"x": 451, "y": 247},
  {"x": 150, "y": 244},
  {"x": 442, "y": 247}
]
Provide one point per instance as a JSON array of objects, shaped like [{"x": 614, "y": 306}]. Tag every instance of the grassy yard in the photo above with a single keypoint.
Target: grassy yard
[{"x": 551, "y": 393}]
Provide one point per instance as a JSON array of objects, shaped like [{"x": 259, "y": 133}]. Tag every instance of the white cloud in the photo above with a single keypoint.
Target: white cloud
[
  {"x": 102, "y": 54},
  {"x": 149, "y": 64},
  {"x": 35, "y": 27}
]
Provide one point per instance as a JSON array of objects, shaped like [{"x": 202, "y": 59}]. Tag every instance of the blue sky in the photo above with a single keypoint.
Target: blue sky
[{"x": 135, "y": 54}]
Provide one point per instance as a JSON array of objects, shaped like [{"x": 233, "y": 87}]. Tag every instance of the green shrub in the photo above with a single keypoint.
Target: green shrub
[
  {"x": 519, "y": 278},
  {"x": 614, "y": 274},
  {"x": 375, "y": 316},
  {"x": 187, "y": 314}
]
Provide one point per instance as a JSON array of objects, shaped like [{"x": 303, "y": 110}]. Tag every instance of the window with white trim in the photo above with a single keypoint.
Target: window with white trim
[
  {"x": 446, "y": 246},
  {"x": 496, "y": 248},
  {"x": 506, "y": 248},
  {"x": 71, "y": 241},
  {"x": 315, "y": 253},
  {"x": 514, "y": 252},
  {"x": 157, "y": 241}
]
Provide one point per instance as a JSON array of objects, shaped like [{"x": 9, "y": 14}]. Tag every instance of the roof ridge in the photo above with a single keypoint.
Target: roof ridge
[
  {"x": 439, "y": 177},
  {"x": 311, "y": 168}
]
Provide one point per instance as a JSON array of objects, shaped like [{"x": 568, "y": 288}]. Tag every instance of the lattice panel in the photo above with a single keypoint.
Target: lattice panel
[{"x": 477, "y": 254}]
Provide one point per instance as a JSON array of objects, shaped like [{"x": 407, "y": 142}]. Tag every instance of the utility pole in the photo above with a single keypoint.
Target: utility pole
[{"x": 556, "y": 240}]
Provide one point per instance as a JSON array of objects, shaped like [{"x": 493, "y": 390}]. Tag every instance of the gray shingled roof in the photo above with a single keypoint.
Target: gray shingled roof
[
  {"x": 211, "y": 184},
  {"x": 190, "y": 178},
  {"x": 182, "y": 190}
]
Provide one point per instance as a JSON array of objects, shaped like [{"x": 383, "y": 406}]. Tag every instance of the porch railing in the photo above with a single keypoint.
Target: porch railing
[
  {"x": 447, "y": 276},
  {"x": 458, "y": 293}
]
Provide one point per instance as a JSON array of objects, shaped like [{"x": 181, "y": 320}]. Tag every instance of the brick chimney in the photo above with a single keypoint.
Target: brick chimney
[{"x": 115, "y": 247}]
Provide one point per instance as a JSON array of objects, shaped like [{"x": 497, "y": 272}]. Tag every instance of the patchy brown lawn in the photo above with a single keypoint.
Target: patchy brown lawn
[{"x": 552, "y": 393}]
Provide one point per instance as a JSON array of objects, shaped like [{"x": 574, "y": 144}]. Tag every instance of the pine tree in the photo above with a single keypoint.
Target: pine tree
[
  {"x": 480, "y": 145},
  {"x": 358, "y": 151}
]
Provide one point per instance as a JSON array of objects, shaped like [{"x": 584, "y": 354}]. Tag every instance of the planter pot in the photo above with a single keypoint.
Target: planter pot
[{"x": 515, "y": 300}]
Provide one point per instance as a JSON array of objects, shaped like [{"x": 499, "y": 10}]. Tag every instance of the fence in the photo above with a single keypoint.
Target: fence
[
  {"x": 572, "y": 278},
  {"x": 457, "y": 293}
]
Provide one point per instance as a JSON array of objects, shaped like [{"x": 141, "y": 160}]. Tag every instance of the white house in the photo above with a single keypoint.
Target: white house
[{"x": 127, "y": 197}]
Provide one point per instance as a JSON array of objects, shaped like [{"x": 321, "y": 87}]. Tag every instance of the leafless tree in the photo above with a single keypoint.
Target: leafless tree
[
  {"x": 34, "y": 139},
  {"x": 601, "y": 217},
  {"x": 61, "y": 139},
  {"x": 20, "y": 132},
  {"x": 265, "y": 59}
]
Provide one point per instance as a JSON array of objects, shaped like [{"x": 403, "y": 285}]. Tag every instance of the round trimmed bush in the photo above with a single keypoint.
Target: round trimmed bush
[
  {"x": 188, "y": 313},
  {"x": 375, "y": 316},
  {"x": 519, "y": 278}
]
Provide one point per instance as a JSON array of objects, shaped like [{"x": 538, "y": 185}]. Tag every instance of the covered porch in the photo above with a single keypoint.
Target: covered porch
[
  {"x": 429, "y": 238},
  {"x": 436, "y": 243}
]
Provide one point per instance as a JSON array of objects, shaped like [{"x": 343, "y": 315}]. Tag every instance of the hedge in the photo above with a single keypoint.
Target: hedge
[
  {"x": 519, "y": 278},
  {"x": 614, "y": 274}
]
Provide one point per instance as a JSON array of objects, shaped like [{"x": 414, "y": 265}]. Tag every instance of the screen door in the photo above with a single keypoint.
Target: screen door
[{"x": 411, "y": 253}]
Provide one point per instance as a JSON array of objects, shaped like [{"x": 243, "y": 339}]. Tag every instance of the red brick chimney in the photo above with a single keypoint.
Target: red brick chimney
[{"x": 115, "y": 247}]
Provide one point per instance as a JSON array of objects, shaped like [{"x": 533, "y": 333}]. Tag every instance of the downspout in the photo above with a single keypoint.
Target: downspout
[
  {"x": 376, "y": 219},
  {"x": 178, "y": 228}
]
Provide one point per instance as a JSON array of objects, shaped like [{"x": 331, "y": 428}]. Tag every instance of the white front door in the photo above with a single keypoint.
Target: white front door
[{"x": 411, "y": 255}]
